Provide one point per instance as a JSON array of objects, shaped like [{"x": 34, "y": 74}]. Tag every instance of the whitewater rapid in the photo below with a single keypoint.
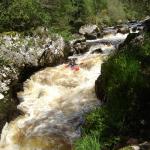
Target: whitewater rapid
[{"x": 53, "y": 102}]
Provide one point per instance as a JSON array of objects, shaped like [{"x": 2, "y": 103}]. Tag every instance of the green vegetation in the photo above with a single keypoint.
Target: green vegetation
[
  {"x": 126, "y": 84},
  {"x": 125, "y": 76},
  {"x": 21, "y": 15},
  {"x": 67, "y": 16},
  {"x": 88, "y": 143}
]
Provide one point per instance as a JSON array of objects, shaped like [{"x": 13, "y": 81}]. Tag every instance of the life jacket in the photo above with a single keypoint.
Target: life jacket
[{"x": 75, "y": 68}]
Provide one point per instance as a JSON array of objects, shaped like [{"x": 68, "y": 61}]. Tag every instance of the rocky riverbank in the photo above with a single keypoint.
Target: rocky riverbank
[{"x": 23, "y": 54}]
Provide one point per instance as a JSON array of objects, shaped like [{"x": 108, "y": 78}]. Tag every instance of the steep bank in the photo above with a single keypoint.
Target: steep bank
[{"x": 123, "y": 87}]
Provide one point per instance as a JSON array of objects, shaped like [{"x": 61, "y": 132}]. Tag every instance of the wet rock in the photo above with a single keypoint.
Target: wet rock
[
  {"x": 109, "y": 30},
  {"x": 1, "y": 96},
  {"x": 132, "y": 141},
  {"x": 140, "y": 28},
  {"x": 54, "y": 52},
  {"x": 78, "y": 40},
  {"x": 145, "y": 146},
  {"x": 96, "y": 49},
  {"x": 89, "y": 31},
  {"x": 91, "y": 36},
  {"x": 23, "y": 54},
  {"x": 78, "y": 46},
  {"x": 146, "y": 23},
  {"x": 99, "y": 89},
  {"x": 135, "y": 147},
  {"x": 129, "y": 38},
  {"x": 7, "y": 75},
  {"x": 123, "y": 29}
]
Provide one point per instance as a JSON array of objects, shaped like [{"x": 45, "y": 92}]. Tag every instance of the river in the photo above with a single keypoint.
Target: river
[{"x": 53, "y": 103}]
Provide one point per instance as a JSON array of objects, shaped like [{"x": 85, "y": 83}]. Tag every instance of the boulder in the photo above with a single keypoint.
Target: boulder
[
  {"x": 109, "y": 30},
  {"x": 123, "y": 29},
  {"x": 7, "y": 75},
  {"x": 96, "y": 49},
  {"x": 22, "y": 55},
  {"x": 78, "y": 46},
  {"x": 54, "y": 52},
  {"x": 146, "y": 23},
  {"x": 91, "y": 36},
  {"x": 78, "y": 40},
  {"x": 99, "y": 89},
  {"x": 1, "y": 96},
  {"x": 130, "y": 37},
  {"x": 134, "y": 147},
  {"x": 89, "y": 31},
  {"x": 143, "y": 146},
  {"x": 132, "y": 141}
]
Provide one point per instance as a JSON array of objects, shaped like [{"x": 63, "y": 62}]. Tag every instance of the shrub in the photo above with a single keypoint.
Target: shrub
[
  {"x": 22, "y": 15},
  {"x": 126, "y": 82},
  {"x": 89, "y": 142}
]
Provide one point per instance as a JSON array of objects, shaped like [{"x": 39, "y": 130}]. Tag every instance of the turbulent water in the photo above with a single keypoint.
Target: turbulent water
[{"x": 53, "y": 102}]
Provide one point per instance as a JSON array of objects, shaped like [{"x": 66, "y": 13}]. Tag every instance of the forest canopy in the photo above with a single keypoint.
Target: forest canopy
[{"x": 68, "y": 15}]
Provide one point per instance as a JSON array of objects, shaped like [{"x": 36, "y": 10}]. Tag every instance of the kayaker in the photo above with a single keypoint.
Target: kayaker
[{"x": 72, "y": 62}]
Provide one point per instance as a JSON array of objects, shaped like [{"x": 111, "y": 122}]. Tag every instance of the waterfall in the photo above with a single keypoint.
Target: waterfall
[{"x": 53, "y": 102}]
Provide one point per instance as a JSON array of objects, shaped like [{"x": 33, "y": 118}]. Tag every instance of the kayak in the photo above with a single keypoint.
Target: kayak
[{"x": 75, "y": 68}]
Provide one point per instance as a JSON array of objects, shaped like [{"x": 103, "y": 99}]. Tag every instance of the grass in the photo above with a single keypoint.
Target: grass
[
  {"x": 126, "y": 83},
  {"x": 88, "y": 143}
]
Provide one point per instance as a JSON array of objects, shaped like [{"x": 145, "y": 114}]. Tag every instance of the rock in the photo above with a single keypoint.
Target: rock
[
  {"x": 129, "y": 38},
  {"x": 135, "y": 147},
  {"x": 99, "y": 89},
  {"x": 132, "y": 141},
  {"x": 54, "y": 52},
  {"x": 123, "y": 29},
  {"x": 78, "y": 40},
  {"x": 96, "y": 49},
  {"x": 88, "y": 29},
  {"x": 109, "y": 30},
  {"x": 146, "y": 23},
  {"x": 78, "y": 46},
  {"x": 21, "y": 55},
  {"x": 1, "y": 96},
  {"x": 7, "y": 75},
  {"x": 145, "y": 146},
  {"x": 91, "y": 36},
  {"x": 128, "y": 148}
]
